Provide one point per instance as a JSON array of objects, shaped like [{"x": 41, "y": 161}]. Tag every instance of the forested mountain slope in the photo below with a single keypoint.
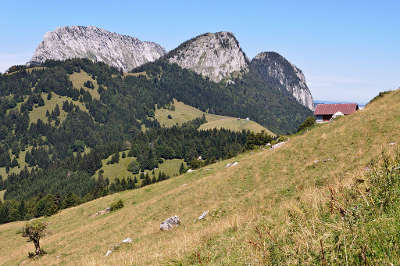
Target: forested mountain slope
[
  {"x": 178, "y": 113},
  {"x": 325, "y": 197},
  {"x": 247, "y": 96},
  {"x": 60, "y": 121}
]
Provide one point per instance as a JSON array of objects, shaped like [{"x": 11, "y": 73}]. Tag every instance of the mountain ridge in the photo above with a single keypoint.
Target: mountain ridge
[
  {"x": 217, "y": 56},
  {"x": 99, "y": 45}
]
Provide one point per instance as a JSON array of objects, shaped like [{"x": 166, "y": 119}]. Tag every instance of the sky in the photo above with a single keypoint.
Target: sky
[{"x": 348, "y": 50}]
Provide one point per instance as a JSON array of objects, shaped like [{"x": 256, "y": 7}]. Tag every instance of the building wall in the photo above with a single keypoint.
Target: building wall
[{"x": 322, "y": 118}]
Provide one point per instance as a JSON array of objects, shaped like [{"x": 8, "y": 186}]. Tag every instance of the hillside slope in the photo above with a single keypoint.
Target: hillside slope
[
  {"x": 183, "y": 113},
  {"x": 262, "y": 211}
]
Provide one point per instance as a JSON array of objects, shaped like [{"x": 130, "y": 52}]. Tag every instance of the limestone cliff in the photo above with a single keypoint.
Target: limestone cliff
[
  {"x": 96, "y": 44},
  {"x": 214, "y": 55},
  {"x": 278, "y": 72}
]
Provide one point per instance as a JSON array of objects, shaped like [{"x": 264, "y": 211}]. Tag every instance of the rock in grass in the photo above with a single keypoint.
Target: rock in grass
[
  {"x": 203, "y": 215},
  {"x": 170, "y": 223},
  {"x": 108, "y": 253},
  {"x": 127, "y": 240},
  {"x": 106, "y": 210},
  {"x": 231, "y": 164}
]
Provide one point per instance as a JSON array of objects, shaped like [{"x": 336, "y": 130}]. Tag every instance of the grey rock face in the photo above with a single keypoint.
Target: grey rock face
[
  {"x": 170, "y": 223},
  {"x": 99, "y": 45},
  {"x": 214, "y": 55},
  {"x": 280, "y": 73}
]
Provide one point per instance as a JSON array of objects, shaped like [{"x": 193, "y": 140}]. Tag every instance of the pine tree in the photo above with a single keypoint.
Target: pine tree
[
  {"x": 56, "y": 111},
  {"x": 22, "y": 210}
]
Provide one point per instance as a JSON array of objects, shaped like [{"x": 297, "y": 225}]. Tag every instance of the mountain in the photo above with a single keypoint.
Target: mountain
[
  {"x": 321, "y": 198},
  {"x": 215, "y": 55},
  {"x": 99, "y": 45},
  {"x": 245, "y": 96},
  {"x": 218, "y": 56},
  {"x": 278, "y": 72},
  {"x": 71, "y": 115}
]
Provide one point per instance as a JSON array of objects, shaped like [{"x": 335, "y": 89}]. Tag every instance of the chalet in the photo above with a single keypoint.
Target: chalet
[{"x": 325, "y": 112}]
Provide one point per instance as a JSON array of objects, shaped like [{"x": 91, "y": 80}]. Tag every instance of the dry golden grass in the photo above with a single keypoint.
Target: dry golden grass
[
  {"x": 79, "y": 78},
  {"x": 2, "y": 194},
  {"x": 184, "y": 113},
  {"x": 280, "y": 190}
]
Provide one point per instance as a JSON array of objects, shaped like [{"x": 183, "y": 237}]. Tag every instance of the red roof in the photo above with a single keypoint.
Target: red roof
[{"x": 330, "y": 109}]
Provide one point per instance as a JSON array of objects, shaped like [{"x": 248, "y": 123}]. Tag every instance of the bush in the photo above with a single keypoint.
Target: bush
[
  {"x": 197, "y": 163},
  {"x": 308, "y": 123},
  {"x": 34, "y": 231},
  {"x": 134, "y": 167},
  {"x": 116, "y": 205},
  {"x": 380, "y": 95}
]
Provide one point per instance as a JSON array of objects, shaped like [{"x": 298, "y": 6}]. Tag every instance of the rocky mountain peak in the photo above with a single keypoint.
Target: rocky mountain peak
[
  {"x": 214, "y": 55},
  {"x": 99, "y": 45},
  {"x": 280, "y": 73}
]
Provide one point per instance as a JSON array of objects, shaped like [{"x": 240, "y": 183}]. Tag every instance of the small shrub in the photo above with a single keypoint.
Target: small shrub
[
  {"x": 380, "y": 95},
  {"x": 134, "y": 167},
  {"x": 308, "y": 123},
  {"x": 116, "y": 205},
  {"x": 34, "y": 231}
]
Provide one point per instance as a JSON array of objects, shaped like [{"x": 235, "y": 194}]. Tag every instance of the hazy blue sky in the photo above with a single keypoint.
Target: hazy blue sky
[{"x": 348, "y": 50}]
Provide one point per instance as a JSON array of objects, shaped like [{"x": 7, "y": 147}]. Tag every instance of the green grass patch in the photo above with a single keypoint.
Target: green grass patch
[
  {"x": 137, "y": 74},
  {"x": 184, "y": 113},
  {"x": 21, "y": 162},
  {"x": 79, "y": 78},
  {"x": 2, "y": 192},
  {"x": 49, "y": 105},
  {"x": 169, "y": 167}
]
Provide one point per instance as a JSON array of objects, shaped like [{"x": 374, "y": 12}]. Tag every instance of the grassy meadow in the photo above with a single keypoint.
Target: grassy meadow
[
  {"x": 184, "y": 113},
  {"x": 120, "y": 169},
  {"x": 285, "y": 206},
  {"x": 21, "y": 162},
  {"x": 49, "y": 105},
  {"x": 79, "y": 78}
]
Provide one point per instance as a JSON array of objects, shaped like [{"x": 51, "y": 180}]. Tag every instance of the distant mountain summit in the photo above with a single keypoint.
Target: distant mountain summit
[
  {"x": 280, "y": 73},
  {"x": 218, "y": 56},
  {"x": 214, "y": 55},
  {"x": 98, "y": 45}
]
